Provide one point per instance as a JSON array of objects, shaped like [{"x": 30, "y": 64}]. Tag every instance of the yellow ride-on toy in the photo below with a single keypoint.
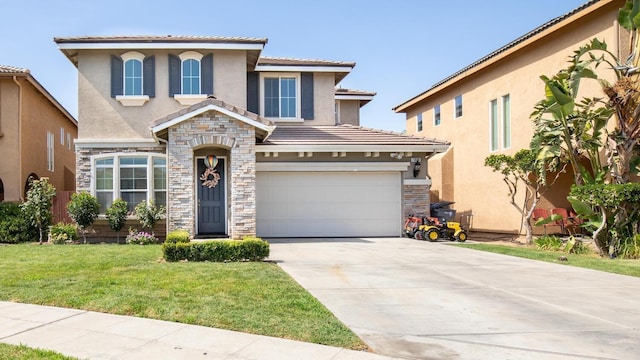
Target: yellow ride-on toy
[{"x": 434, "y": 229}]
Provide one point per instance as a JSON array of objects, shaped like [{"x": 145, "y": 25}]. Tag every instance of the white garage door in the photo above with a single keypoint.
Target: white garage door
[{"x": 328, "y": 204}]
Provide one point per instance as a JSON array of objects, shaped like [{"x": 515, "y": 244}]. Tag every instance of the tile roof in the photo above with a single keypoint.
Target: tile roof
[
  {"x": 505, "y": 48},
  {"x": 159, "y": 38},
  {"x": 283, "y": 61},
  {"x": 342, "y": 135},
  {"x": 5, "y": 69},
  {"x": 212, "y": 101}
]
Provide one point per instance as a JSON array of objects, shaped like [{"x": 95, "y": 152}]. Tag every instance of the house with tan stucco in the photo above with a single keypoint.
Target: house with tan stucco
[
  {"x": 235, "y": 143},
  {"x": 485, "y": 109},
  {"x": 36, "y": 136}
]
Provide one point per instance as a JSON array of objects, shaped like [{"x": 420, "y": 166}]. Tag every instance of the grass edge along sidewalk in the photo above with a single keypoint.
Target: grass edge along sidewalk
[{"x": 252, "y": 297}]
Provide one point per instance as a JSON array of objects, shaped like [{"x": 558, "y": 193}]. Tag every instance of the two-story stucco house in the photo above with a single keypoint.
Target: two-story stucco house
[
  {"x": 36, "y": 136},
  {"x": 485, "y": 109},
  {"x": 237, "y": 144}
]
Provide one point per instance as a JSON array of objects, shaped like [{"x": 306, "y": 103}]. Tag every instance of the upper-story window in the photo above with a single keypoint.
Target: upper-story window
[
  {"x": 190, "y": 77},
  {"x": 419, "y": 122},
  {"x": 458, "y": 106},
  {"x": 500, "y": 123},
  {"x": 190, "y": 72},
  {"x": 436, "y": 115},
  {"x": 132, "y": 78},
  {"x": 281, "y": 96}
]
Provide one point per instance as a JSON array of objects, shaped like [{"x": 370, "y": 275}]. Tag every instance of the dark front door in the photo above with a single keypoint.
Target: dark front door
[{"x": 211, "y": 202}]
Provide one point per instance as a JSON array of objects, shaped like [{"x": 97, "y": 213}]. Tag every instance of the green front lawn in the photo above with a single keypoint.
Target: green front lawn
[
  {"x": 591, "y": 261},
  {"x": 22, "y": 352},
  {"x": 252, "y": 297}
]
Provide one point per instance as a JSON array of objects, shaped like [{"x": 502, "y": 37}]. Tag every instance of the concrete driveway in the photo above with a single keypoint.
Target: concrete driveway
[{"x": 421, "y": 300}]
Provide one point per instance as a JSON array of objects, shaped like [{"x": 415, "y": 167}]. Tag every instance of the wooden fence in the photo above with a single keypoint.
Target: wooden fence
[{"x": 59, "y": 208}]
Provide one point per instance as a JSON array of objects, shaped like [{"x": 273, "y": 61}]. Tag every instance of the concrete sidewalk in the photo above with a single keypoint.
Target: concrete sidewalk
[{"x": 92, "y": 335}]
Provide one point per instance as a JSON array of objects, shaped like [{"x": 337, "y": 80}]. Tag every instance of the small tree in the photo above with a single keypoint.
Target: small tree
[
  {"x": 83, "y": 209},
  {"x": 37, "y": 208},
  {"x": 149, "y": 214},
  {"x": 117, "y": 216},
  {"x": 525, "y": 168}
]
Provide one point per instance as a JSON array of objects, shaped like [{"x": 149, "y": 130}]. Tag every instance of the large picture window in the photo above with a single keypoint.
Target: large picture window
[{"x": 132, "y": 178}]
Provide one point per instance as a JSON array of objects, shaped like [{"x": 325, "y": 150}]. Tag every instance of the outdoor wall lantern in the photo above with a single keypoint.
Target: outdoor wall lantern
[{"x": 416, "y": 166}]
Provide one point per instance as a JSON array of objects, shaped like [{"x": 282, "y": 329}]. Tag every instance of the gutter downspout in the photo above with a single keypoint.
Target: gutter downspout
[{"x": 15, "y": 80}]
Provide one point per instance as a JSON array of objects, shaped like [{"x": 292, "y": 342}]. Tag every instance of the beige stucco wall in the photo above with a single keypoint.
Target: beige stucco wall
[
  {"x": 9, "y": 143},
  {"x": 28, "y": 142},
  {"x": 323, "y": 99},
  {"x": 349, "y": 111},
  {"x": 99, "y": 114},
  {"x": 460, "y": 175}
]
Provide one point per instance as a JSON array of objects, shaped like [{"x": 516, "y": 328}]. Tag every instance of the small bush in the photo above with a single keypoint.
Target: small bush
[
  {"x": 62, "y": 233},
  {"x": 140, "y": 238},
  {"x": 177, "y": 236},
  {"x": 630, "y": 249},
  {"x": 548, "y": 242},
  {"x": 251, "y": 249},
  {"x": 14, "y": 226},
  {"x": 148, "y": 214}
]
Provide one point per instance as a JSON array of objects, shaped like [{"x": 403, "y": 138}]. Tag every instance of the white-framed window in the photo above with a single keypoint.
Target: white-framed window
[
  {"x": 190, "y": 78},
  {"x": 69, "y": 141},
  {"x": 437, "y": 116},
  {"x": 130, "y": 177},
  {"x": 419, "y": 122},
  {"x": 130, "y": 91},
  {"x": 281, "y": 96},
  {"x": 500, "y": 123},
  {"x": 132, "y": 77},
  {"x": 51, "y": 141},
  {"x": 62, "y": 136},
  {"x": 457, "y": 106}
]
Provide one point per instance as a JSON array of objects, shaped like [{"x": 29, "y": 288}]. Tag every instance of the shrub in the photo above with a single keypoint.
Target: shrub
[
  {"x": 177, "y": 236},
  {"x": 548, "y": 242},
  {"x": 140, "y": 238},
  {"x": 149, "y": 214},
  {"x": 83, "y": 209},
  {"x": 62, "y": 233},
  {"x": 252, "y": 249},
  {"x": 14, "y": 226},
  {"x": 630, "y": 249},
  {"x": 117, "y": 216}
]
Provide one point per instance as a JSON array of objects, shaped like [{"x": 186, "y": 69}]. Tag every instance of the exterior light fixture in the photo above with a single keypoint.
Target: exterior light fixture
[{"x": 416, "y": 167}]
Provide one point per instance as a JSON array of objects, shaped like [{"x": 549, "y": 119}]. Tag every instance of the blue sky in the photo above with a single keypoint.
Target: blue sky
[{"x": 400, "y": 47}]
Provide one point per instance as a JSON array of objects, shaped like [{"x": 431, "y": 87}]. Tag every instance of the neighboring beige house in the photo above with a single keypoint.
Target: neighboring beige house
[
  {"x": 36, "y": 136},
  {"x": 237, "y": 144},
  {"x": 485, "y": 109}
]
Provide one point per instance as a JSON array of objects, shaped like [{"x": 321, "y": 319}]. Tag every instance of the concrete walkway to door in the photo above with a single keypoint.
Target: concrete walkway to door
[{"x": 421, "y": 300}]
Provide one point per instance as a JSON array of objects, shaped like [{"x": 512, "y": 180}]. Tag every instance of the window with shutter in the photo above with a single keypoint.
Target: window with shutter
[
  {"x": 281, "y": 97},
  {"x": 190, "y": 77},
  {"x": 132, "y": 78}
]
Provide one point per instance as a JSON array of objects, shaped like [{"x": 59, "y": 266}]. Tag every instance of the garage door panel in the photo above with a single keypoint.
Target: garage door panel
[{"x": 302, "y": 204}]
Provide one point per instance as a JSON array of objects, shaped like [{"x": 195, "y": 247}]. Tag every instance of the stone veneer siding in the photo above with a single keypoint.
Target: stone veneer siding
[
  {"x": 415, "y": 199},
  {"x": 217, "y": 131}
]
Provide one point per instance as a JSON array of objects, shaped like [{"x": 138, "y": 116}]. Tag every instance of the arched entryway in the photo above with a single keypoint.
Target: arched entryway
[{"x": 27, "y": 184}]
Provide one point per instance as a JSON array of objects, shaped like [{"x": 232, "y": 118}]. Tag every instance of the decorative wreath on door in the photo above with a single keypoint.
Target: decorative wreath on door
[{"x": 210, "y": 176}]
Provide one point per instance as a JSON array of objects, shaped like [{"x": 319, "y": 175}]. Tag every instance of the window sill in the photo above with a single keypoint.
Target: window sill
[
  {"x": 286, "y": 120},
  {"x": 132, "y": 100},
  {"x": 189, "y": 99}
]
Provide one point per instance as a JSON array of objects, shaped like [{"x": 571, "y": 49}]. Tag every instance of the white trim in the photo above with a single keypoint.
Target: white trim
[
  {"x": 196, "y": 178},
  {"x": 191, "y": 55},
  {"x": 189, "y": 99},
  {"x": 294, "y": 68},
  {"x": 219, "y": 109},
  {"x": 416, "y": 182},
  {"x": 115, "y": 143},
  {"x": 286, "y": 120},
  {"x": 158, "y": 45},
  {"x": 352, "y": 148},
  {"x": 132, "y": 100},
  {"x": 332, "y": 166},
  {"x": 132, "y": 55},
  {"x": 354, "y": 97}
]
